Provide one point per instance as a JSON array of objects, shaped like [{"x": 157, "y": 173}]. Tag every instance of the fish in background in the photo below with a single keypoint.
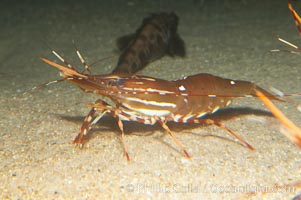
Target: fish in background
[{"x": 155, "y": 38}]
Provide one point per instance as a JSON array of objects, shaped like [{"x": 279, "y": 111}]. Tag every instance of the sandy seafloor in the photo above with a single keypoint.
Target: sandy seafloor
[{"x": 227, "y": 38}]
